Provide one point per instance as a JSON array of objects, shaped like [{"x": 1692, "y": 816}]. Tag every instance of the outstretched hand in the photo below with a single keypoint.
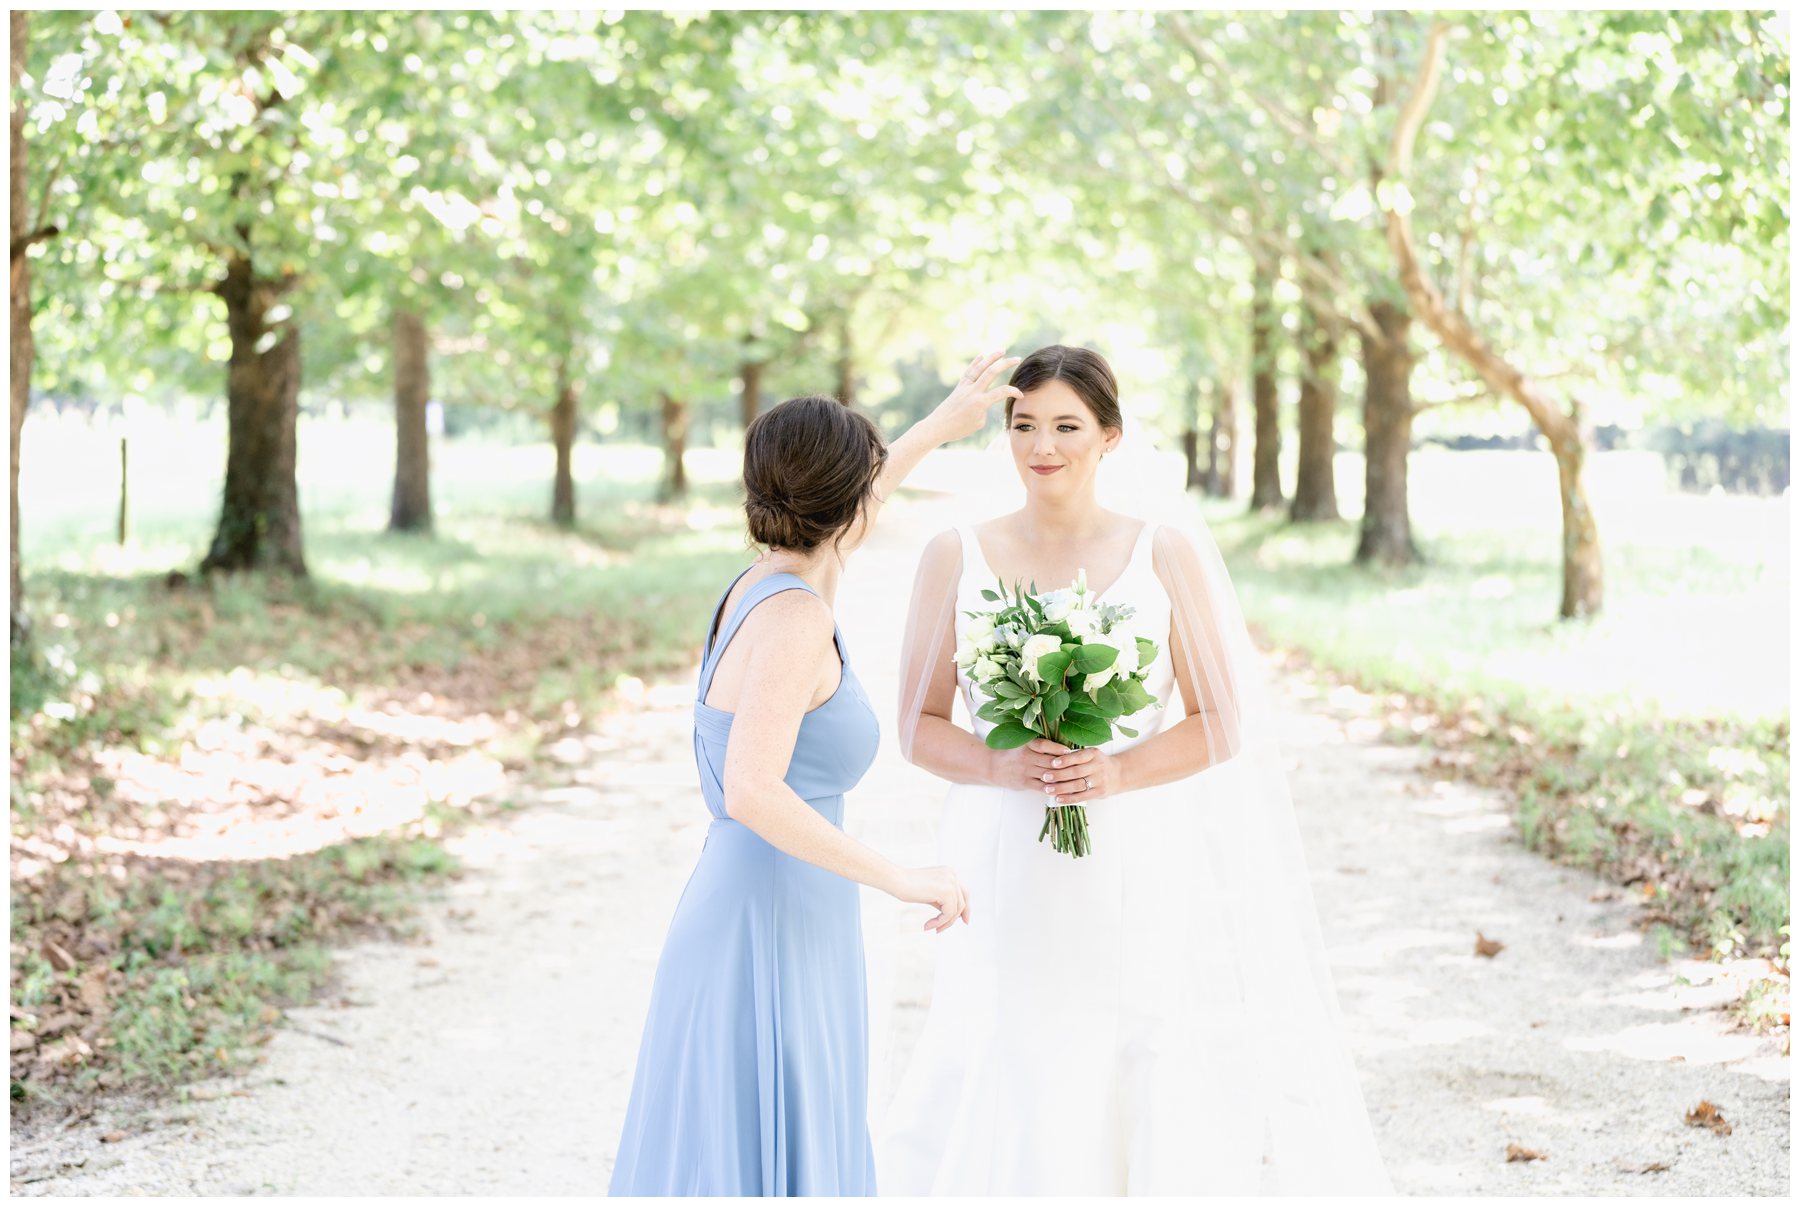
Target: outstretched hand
[{"x": 965, "y": 411}]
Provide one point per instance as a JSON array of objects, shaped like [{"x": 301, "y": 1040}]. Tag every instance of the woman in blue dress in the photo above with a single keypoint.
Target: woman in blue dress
[{"x": 752, "y": 1078}]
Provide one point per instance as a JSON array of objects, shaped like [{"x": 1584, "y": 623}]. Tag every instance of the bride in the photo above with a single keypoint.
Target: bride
[{"x": 1157, "y": 1016}]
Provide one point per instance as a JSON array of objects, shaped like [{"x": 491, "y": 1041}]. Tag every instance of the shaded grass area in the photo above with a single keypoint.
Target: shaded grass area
[
  {"x": 149, "y": 973},
  {"x": 1686, "y": 805},
  {"x": 212, "y": 780}
]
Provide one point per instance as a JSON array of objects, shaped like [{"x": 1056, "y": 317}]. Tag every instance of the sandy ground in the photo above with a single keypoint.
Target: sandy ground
[{"x": 496, "y": 1056}]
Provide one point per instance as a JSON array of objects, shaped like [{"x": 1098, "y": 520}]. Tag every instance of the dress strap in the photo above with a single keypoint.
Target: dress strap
[
  {"x": 760, "y": 590},
  {"x": 712, "y": 627}
]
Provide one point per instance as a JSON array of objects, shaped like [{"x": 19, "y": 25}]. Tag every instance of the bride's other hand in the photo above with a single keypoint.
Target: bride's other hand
[
  {"x": 1024, "y": 767},
  {"x": 965, "y": 411},
  {"x": 938, "y": 887},
  {"x": 1079, "y": 777}
]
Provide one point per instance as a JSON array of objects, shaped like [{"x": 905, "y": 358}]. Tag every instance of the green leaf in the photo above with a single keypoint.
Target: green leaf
[
  {"x": 1080, "y": 731},
  {"x": 1146, "y": 651},
  {"x": 1091, "y": 658},
  {"x": 1133, "y": 696},
  {"x": 1009, "y": 736},
  {"x": 1126, "y": 730},
  {"x": 1056, "y": 701},
  {"x": 995, "y": 711},
  {"x": 1109, "y": 700},
  {"x": 1052, "y": 667},
  {"x": 1009, "y": 690},
  {"x": 989, "y": 596}
]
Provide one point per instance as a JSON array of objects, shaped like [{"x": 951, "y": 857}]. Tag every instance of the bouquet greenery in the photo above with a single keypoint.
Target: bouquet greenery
[{"x": 1058, "y": 666}]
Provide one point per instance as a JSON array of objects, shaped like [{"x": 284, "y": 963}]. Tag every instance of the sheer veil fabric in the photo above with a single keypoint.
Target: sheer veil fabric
[{"x": 1250, "y": 1086}]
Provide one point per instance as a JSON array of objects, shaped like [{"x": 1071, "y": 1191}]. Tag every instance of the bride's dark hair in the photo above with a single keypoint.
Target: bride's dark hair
[{"x": 1085, "y": 370}]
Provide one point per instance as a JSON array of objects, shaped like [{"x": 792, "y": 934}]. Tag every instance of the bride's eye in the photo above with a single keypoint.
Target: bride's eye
[{"x": 1068, "y": 427}]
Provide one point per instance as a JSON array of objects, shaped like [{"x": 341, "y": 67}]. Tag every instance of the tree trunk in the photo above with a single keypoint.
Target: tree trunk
[
  {"x": 1265, "y": 473},
  {"x": 675, "y": 433},
  {"x": 1315, "y": 485},
  {"x": 1221, "y": 472},
  {"x": 23, "y": 350},
  {"x": 1582, "y": 567},
  {"x": 751, "y": 399},
  {"x": 1583, "y": 579},
  {"x": 259, "y": 521},
  {"x": 846, "y": 363},
  {"x": 1387, "y": 537},
  {"x": 562, "y": 431},
  {"x": 124, "y": 491},
  {"x": 1190, "y": 451},
  {"x": 412, "y": 442}
]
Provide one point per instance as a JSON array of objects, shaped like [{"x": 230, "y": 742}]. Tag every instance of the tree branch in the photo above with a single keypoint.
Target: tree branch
[
  {"x": 1450, "y": 326},
  {"x": 42, "y": 233},
  {"x": 1281, "y": 115}
]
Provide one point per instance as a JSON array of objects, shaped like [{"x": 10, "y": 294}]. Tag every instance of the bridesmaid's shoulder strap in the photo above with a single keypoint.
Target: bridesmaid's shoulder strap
[{"x": 758, "y": 591}]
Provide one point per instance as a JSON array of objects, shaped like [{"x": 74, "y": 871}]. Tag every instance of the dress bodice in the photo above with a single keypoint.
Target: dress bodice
[
  {"x": 1137, "y": 587},
  {"x": 837, "y": 740}
]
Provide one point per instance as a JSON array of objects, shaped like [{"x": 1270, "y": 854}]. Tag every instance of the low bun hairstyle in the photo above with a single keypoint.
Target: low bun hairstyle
[
  {"x": 809, "y": 466},
  {"x": 1085, "y": 371}
]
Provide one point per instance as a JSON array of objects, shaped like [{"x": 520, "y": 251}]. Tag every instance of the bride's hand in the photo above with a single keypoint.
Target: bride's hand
[
  {"x": 937, "y": 887},
  {"x": 1073, "y": 777},
  {"x": 1024, "y": 768},
  {"x": 965, "y": 411}
]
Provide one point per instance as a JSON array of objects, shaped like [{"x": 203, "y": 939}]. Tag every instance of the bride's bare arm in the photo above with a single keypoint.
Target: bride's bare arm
[
  {"x": 1209, "y": 733},
  {"x": 928, "y": 737}
]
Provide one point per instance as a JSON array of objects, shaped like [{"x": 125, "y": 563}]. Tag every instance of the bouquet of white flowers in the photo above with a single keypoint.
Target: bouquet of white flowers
[{"x": 1049, "y": 670}]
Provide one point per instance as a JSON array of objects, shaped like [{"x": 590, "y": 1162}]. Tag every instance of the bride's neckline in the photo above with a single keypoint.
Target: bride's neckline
[{"x": 1130, "y": 561}]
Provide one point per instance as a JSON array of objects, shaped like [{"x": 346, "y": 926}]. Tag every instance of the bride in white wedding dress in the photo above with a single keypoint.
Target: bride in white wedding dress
[{"x": 1155, "y": 1017}]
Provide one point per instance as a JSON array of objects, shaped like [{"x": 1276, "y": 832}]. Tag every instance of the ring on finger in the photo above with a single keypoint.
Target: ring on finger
[{"x": 1088, "y": 780}]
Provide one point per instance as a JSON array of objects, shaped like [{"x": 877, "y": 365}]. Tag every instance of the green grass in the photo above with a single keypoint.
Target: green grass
[
  {"x": 179, "y": 970},
  {"x": 1650, "y": 743},
  {"x": 183, "y": 962}
]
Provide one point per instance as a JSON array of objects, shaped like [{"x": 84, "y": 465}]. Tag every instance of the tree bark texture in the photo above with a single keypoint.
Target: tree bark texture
[
  {"x": 412, "y": 441},
  {"x": 1387, "y": 537},
  {"x": 259, "y": 519},
  {"x": 563, "y": 418},
  {"x": 675, "y": 434},
  {"x": 1265, "y": 469},
  {"x": 1315, "y": 483}
]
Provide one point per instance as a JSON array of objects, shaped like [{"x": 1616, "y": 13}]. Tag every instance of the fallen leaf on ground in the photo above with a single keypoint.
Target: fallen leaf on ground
[
  {"x": 1485, "y": 946},
  {"x": 1707, "y": 1115},
  {"x": 59, "y": 959},
  {"x": 112, "y": 1137},
  {"x": 1516, "y": 1152}
]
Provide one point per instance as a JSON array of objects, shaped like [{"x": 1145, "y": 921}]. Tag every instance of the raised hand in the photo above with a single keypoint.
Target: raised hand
[{"x": 965, "y": 411}]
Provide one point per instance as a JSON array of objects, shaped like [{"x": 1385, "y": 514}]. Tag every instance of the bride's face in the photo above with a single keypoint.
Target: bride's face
[{"x": 1056, "y": 441}]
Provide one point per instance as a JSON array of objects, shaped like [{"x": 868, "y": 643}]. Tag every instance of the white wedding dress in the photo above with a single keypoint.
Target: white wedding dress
[
  {"x": 1090, "y": 1031},
  {"x": 1062, "y": 1055}
]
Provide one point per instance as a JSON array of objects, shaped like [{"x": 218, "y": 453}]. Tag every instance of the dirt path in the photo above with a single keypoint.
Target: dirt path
[{"x": 496, "y": 1057}]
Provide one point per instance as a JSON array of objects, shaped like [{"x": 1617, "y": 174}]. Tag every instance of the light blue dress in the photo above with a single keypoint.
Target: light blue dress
[{"x": 752, "y": 1078}]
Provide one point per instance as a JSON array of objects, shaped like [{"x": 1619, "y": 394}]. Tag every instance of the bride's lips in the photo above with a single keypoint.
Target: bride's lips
[{"x": 1045, "y": 471}]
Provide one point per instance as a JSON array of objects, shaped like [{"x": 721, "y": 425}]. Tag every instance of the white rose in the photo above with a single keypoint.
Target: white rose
[
  {"x": 1125, "y": 664},
  {"x": 966, "y": 655},
  {"x": 979, "y": 631},
  {"x": 1084, "y": 624},
  {"x": 985, "y": 670},
  {"x": 1036, "y": 647},
  {"x": 1058, "y": 604}
]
